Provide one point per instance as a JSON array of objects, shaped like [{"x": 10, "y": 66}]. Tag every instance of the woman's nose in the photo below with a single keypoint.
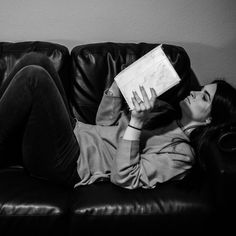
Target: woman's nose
[{"x": 193, "y": 94}]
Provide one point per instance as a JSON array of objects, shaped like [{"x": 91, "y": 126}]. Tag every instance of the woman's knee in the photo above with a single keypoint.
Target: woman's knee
[
  {"x": 39, "y": 59},
  {"x": 35, "y": 58},
  {"x": 34, "y": 75}
]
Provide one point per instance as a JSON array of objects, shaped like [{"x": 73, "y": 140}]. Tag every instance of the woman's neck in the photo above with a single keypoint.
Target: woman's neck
[{"x": 187, "y": 125}]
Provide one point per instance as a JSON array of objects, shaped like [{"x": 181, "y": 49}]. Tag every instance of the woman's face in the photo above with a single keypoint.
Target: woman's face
[{"x": 197, "y": 106}]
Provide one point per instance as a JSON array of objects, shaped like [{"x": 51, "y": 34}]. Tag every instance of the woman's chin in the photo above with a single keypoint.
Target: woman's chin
[{"x": 184, "y": 106}]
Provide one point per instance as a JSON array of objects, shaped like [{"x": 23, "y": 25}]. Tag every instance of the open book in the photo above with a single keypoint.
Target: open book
[{"x": 153, "y": 70}]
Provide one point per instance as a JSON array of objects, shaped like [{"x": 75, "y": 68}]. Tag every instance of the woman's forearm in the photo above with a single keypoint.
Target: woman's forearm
[
  {"x": 133, "y": 130},
  {"x": 132, "y": 134}
]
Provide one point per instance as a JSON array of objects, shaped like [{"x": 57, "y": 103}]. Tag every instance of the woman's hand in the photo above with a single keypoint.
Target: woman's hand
[{"x": 142, "y": 107}]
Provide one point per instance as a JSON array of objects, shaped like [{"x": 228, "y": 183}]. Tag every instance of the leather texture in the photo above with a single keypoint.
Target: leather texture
[
  {"x": 28, "y": 204},
  {"x": 94, "y": 67},
  {"x": 227, "y": 139},
  {"x": 10, "y": 53},
  {"x": 36, "y": 207},
  {"x": 149, "y": 212}
]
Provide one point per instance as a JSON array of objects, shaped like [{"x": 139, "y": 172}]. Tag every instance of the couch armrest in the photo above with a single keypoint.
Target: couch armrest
[
  {"x": 222, "y": 162},
  {"x": 221, "y": 166}
]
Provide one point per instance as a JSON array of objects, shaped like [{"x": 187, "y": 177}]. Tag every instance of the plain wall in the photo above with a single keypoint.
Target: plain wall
[{"x": 205, "y": 28}]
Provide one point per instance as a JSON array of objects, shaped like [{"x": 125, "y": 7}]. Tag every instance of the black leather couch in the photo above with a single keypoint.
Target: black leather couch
[{"x": 202, "y": 202}]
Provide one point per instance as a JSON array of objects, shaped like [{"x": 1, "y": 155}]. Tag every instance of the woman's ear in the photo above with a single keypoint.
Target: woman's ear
[{"x": 208, "y": 120}]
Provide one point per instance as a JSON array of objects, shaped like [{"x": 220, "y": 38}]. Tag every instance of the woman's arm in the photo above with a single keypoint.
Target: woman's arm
[
  {"x": 133, "y": 170},
  {"x": 109, "y": 110}
]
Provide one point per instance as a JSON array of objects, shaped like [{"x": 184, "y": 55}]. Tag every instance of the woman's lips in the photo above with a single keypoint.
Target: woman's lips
[{"x": 187, "y": 98}]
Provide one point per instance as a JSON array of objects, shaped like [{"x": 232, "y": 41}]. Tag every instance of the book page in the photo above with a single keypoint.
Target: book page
[{"x": 153, "y": 70}]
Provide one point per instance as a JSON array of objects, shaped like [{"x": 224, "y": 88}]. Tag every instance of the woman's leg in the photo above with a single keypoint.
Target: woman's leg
[
  {"x": 33, "y": 101},
  {"x": 34, "y": 58}
]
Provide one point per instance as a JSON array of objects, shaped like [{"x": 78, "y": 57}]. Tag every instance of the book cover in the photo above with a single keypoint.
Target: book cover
[{"x": 152, "y": 70}]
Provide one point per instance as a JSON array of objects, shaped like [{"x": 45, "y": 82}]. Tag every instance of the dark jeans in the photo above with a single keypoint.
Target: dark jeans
[{"x": 35, "y": 122}]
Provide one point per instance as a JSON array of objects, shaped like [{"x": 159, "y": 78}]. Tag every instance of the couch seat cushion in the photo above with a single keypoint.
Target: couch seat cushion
[
  {"x": 170, "y": 206},
  {"x": 24, "y": 195},
  {"x": 28, "y": 204}
]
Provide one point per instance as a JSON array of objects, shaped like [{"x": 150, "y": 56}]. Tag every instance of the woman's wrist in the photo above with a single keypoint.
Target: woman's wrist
[
  {"x": 132, "y": 132},
  {"x": 134, "y": 127},
  {"x": 136, "y": 123}
]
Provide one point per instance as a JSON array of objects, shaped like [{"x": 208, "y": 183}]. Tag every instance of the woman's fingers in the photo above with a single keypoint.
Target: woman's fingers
[
  {"x": 136, "y": 97},
  {"x": 146, "y": 103},
  {"x": 136, "y": 100},
  {"x": 145, "y": 96},
  {"x": 142, "y": 107},
  {"x": 153, "y": 92},
  {"x": 153, "y": 96},
  {"x": 139, "y": 104}
]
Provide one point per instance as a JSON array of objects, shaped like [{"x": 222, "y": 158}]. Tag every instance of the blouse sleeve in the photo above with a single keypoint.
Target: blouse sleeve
[
  {"x": 132, "y": 170},
  {"x": 109, "y": 110}
]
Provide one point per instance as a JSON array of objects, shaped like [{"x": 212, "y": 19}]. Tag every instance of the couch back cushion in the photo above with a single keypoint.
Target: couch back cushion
[
  {"x": 10, "y": 54},
  {"x": 94, "y": 67}
]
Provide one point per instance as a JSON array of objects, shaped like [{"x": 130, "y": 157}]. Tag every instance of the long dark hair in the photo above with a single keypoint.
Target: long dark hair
[
  {"x": 223, "y": 114},
  {"x": 223, "y": 111}
]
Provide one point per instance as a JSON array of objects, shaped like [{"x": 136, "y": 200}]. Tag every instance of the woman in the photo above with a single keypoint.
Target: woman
[{"x": 33, "y": 104}]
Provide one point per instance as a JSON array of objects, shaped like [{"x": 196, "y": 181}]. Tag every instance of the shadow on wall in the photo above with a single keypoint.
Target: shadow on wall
[{"x": 209, "y": 62}]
